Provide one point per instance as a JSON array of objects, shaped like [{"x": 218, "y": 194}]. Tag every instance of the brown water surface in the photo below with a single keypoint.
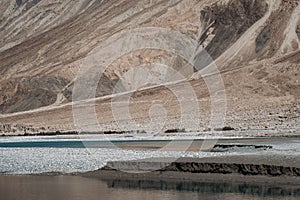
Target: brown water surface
[{"x": 77, "y": 188}]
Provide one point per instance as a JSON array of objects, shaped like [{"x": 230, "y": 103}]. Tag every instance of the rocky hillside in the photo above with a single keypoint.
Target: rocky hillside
[{"x": 254, "y": 43}]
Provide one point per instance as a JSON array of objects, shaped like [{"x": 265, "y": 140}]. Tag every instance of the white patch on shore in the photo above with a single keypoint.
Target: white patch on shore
[{"x": 67, "y": 160}]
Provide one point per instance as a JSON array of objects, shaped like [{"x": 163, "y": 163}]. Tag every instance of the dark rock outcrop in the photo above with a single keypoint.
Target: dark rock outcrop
[
  {"x": 263, "y": 38},
  {"x": 227, "y": 146},
  {"x": 19, "y": 2},
  {"x": 298, "y": 32},
  {"x": 26, "y": 94},
  {"x": 228, "y": 22}
]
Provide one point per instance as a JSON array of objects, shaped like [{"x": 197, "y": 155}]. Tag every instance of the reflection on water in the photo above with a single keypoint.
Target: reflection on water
[
  {"x": 209, "y": 188},
  {"x": 75, "y": 188}
]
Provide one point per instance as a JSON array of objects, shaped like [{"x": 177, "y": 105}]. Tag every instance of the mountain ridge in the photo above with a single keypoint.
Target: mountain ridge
[{"x": 255, "y": 45}]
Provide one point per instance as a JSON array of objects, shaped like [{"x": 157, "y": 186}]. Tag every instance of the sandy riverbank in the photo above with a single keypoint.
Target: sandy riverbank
[
  {"x": 257, "y": 167},
  {"x": 236, "y": 169}
]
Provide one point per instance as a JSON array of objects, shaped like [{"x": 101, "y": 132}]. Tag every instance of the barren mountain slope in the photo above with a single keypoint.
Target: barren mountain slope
[{"x": 255, "y": 45}]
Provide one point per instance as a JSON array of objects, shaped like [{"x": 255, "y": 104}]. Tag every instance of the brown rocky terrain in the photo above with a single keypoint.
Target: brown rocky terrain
[{"x": 254, "y": 44}]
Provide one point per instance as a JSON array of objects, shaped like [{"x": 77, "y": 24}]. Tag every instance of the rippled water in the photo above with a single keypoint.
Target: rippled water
[{"x": 78, "y": 188}]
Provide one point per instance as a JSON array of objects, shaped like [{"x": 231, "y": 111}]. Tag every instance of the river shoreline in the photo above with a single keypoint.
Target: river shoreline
[
  {"x": 227, "y": 169},
  {"x": 241, "y": 160}
]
